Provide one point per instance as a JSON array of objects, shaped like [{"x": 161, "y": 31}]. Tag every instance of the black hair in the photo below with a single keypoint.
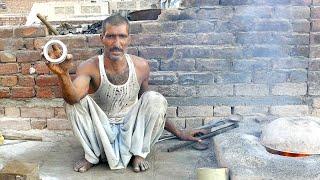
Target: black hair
[{"x": 114, "y": 20}]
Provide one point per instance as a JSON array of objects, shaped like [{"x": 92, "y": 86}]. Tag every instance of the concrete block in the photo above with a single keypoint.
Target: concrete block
[
  {"x": 290, "y": 110},
  {"x": 15, "y": 123},
  {"x": 162, "y": 78},
  {"x": 194, "y": 122},
  {"x": 58, "y": 124},
  {"x": 37, "y": 112},
  {"x": 180, "y": 123},
  {"x": 218, "y": 90},
  {"x": 250, "y": 110},
  {"x": 289, "y": 89},
  {"x": 195, "y": 111},
  {"x": 12, "y": 111},
  {"x": 254, "y": 90},
  {"x": 171, "y": 112},
  {"x": 221, "y": 111}
]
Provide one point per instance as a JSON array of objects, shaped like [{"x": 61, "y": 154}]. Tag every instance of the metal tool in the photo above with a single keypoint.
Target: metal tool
[{"x": 214, "y": 131}]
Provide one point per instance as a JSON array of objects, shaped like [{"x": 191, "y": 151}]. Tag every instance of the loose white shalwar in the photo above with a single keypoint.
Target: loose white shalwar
[{"x": 118, "y": 136}]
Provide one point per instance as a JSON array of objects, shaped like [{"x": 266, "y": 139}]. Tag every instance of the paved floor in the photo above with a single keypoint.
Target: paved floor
[{"x": 59, "y": 150}]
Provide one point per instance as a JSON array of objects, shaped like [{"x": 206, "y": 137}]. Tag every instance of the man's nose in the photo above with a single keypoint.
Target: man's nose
[{"x": 117, "y": 41}]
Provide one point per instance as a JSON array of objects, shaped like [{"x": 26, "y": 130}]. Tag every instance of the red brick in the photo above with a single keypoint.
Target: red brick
[
  {"x": 58, "y": 124},
  {"x": 59, "y": 113},
  {"x": 73, "y": 42},
  {"x": 27, "y": 81},
  {"x": 28, "y": 43},
  {"x": 57, "y": 91},
  {"x": 30, "y": 31},
  {"x": 15, "y": 123},
  {"x": 11, "y": 44},
  {"x": 28, "y": 56},
  {"x": 6, "y": 32},
  {"x": 47, "y": 80},
  {"x": 8, "y": 80},
  {"x": 83, "y": 54},
  {"x": 4, "y": 92},
  {"x": 25, "y": 68},
  {"x": 7, "y": 57},
  {"x": 38, "y": 123},
  {"x": 45, "y": 92},
  {"x": 22, "y": 92},
  {"x": 38, "y": 43},
  {"x": 41, "y": 68},
  {"x": 12, "y": 111},
  {"x": 94, "y": 40},
  {"x": 37, "y": 112},
  {"x": 9, "y": 68}
]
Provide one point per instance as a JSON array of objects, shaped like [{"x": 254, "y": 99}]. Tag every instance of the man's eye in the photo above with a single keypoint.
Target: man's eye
[
  {"x": 123, "y": 36},
  {"x": 109, "y": 36}
]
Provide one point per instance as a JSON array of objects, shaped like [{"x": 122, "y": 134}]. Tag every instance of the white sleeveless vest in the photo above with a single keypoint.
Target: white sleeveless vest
[{"x": 117, "y": 100}]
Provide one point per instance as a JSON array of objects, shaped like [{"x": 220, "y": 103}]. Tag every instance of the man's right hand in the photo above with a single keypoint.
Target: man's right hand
[{"x": 62, "y": 68}]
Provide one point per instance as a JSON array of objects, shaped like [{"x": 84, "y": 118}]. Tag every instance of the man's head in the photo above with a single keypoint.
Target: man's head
[{"x": 115, "y": 36}]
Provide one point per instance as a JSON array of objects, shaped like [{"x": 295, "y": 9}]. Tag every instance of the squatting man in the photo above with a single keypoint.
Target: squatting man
[{"x": 121, "y": 120}]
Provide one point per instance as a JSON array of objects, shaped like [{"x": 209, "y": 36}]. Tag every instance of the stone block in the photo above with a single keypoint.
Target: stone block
[
  {"x": 145, "y": 40},
  {"x": 299, "y": 51},
  {"x": 290, "y": 110},
  {"x": 272, "y": 25},
  {"x": 37, "y": 112},
  {"x": 221, "y": 111},
  {"x": 254, "y": 90},
  {"x": 217, "y": 90},
  {"x": 196, "y": 26},
  {"x": 217, "y": 12},
  {"x": 253, "y": 11},
  {"x": 215, "y": 38},
  {"x": 292, "y": 12},
  {"x": 313, "y": 76},
  {"x": 315, "y": 12},
  {"x": 168, "y": 90},
  {"x": 12, "y": 111},
  {"x": 290, "y": 63},
  {"x": 314, "y": 65},
  {"x": 195, "y": 111},
  {"x": 58, "y": 124},
  {"x": 59, "y": 113},
  {"x": 251, "y": 65}
]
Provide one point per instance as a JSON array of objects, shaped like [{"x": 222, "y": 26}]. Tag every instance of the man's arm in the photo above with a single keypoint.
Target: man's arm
[{"x": 72, "y": 92}]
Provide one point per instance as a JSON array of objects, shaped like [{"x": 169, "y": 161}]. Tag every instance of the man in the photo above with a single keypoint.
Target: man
[{"x": 121, "y": 120}]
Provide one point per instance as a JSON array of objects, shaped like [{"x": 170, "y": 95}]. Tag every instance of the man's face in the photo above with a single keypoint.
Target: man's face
[{"x": 115, "y": 41}]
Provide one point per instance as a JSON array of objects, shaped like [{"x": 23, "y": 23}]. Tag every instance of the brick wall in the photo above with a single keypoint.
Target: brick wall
[{"x": 210, "y": 60}]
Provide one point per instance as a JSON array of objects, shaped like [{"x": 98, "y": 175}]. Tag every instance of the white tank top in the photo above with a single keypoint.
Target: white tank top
[{"x": 117, "y": 100}]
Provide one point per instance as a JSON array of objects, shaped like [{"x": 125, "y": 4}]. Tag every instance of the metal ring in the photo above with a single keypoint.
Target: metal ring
[{"x": 64, "y": 51}]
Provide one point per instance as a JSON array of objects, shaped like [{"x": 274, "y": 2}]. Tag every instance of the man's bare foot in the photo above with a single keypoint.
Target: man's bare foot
[
  {"x": 140, "y": 164},
  {"x": 82, "y": 165}
]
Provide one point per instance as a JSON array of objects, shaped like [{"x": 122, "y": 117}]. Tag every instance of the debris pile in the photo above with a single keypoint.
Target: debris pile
[{"x": 66, "y": 28}]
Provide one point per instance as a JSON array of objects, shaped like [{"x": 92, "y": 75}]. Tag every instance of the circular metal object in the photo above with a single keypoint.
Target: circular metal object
[
  {"x": 61, "y": 58},
  {"x": 300, "y": 135}
]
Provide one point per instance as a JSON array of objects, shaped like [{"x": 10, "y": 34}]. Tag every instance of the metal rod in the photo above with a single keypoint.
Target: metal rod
[
  {"x": 211, "y": 134},
  {"x": 45, "y": 22}
]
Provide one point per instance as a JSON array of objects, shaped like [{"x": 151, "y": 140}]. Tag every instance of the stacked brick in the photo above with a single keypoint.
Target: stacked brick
[{"x": 212, "y": 59}]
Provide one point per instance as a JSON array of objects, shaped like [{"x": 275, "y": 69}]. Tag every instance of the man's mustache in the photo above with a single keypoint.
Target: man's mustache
[{"x": 116, "y": 49}]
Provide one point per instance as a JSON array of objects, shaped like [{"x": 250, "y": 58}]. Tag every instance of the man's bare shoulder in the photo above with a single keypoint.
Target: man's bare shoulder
[
  {"x": 139, "y": 62},
  {"x": 89, "y": 65}
]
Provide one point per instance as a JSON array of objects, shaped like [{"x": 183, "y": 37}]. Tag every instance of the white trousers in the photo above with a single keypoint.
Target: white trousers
[{"x": 140, "y": 130}]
